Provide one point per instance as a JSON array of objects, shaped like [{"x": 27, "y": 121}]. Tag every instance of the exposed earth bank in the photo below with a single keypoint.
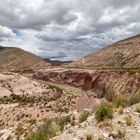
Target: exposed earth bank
[{"x": 108, "y": 84}]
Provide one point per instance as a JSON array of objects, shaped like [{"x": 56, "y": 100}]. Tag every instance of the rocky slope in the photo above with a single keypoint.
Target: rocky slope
[
  {"x": 116, "y": 129},
  {"x": 125, "y": 53},
  {"x": 18, "y": 59}
]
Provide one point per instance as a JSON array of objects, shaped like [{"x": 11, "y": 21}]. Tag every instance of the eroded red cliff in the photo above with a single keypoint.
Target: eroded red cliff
[{"x": 106, "y": 84}]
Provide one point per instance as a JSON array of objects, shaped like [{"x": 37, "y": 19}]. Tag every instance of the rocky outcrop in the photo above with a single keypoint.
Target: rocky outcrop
[{"x": 106, "y": 84}]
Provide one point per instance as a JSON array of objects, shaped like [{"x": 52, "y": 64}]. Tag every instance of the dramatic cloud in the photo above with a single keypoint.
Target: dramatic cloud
[{"x": 67, "y": 29}]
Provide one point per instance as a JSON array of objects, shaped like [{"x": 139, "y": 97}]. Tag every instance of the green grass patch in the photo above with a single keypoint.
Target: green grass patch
[{"x": 104, "y": 111}]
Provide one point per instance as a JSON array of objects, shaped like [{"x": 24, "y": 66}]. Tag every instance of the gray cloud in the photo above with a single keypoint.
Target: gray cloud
[{"x": 67, "y": 29}]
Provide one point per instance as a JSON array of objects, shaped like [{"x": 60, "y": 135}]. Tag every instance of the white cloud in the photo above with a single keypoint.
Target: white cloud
[{"x": 6, "y": 33}]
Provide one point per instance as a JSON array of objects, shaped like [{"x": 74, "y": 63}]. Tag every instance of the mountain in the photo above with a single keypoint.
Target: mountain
[
  {"x": 125, "y": 53},
  {"x": 57, "y": 62},
  {"x": 17, "y": 59}
]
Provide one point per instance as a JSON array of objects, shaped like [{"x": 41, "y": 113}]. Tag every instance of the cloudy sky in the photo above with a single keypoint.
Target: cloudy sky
[{"x": 66, "y": 29}]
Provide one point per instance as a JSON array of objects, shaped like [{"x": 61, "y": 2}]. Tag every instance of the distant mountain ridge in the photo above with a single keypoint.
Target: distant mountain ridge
[
  {"x": 57, "y": 62},
  {"x": 124, "y": 54},
  {"x": 17, "y": 59}
]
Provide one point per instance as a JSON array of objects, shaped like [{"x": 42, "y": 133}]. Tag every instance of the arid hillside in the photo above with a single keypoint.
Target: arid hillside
[
  {"x": 25, "y": 101},
  {"x": 125, "y": 53},
  {"x": 18, "y": 59}
]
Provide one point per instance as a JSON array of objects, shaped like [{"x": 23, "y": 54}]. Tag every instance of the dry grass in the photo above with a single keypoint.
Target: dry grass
[
  {"x": 138, "y": 109},
  {"x": 121, "y": 132},
  {"x": 120, "y": 101},
  {"x": 50, "y": 128},
  {"x": 89, "y": 136},
  {"x": 101, "y": 137},
  {"x": 135, "y": 99},
  {"x": 105, "y": 123},
  {"x": 120, "y": 110},
  {"x": 128, "y": 120},
  {"x": 84, "y": 116}
]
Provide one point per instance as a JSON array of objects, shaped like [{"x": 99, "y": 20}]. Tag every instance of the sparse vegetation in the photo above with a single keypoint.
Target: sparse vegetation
[
  {"x": 72, "y": 121},
  {"x": 50, "y": 128},
  {"x": 56, "y": 88},
  {"x": 133, "y": 100},
  {"x": 138, "y": 109},
  {"x": 105, "y": 111},
  {"x": 32, "y": 121},
  {"x": 101, "y": 137},
  {"x": 84, "y": 116},
  {"x": 120, "y": 101},
  {"x": 105, "y": 122},
  {"x": 62, "y": 109},
  {"x": 21, "y": 99},
  {"x": 62, "y": 91}
]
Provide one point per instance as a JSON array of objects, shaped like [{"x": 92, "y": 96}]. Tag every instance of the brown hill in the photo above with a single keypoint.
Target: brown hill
[
  {"x": 125, "y": 53},
  {"x": 17, "y": 59}
]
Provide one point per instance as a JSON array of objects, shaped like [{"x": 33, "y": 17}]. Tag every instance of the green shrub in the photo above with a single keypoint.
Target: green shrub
[
  {"x": 84, "y": 116},
  {"x": 105, "y": 111},
  {"x": 56, "y": 88},
  {"x": 62, "y": 109}
]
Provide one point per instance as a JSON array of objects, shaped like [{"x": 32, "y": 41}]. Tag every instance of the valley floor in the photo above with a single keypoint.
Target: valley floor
[{"x": 30, "y": 101}]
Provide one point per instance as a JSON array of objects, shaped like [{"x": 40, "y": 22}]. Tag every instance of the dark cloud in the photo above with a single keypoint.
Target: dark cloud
[
  {"x": 120, "y": 3},
  {"x": 34, "y": 15}
]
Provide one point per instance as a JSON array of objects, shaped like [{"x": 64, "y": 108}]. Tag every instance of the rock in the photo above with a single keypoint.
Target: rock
[
  {"x": 105, "y": 135},
  {"x": 75, "y": 117},
  {"x": 113, "y": 134},
  {"x": 7, "y": 134}
]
